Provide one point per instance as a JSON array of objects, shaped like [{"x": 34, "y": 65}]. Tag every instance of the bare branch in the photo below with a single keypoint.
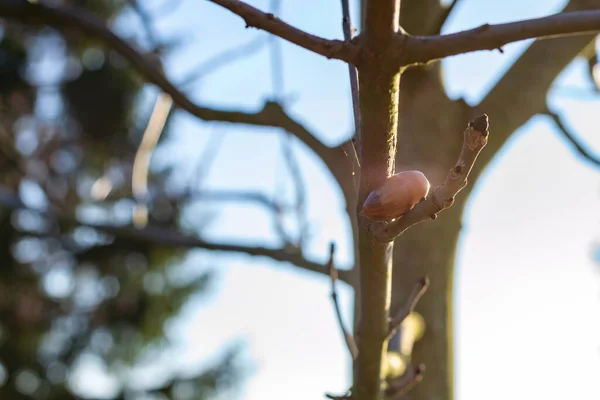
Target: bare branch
[
  {"x": 416, "y": 294},
  {"x": 173, "y": 238},
  {"x": 400, "y": 386},
  {"x": 334, "y": 274},
  {"x": 422, "y": 49},
  {"x": 271, "y": 115},
  {"x": 222, "y": 195},
  {"x": 442, "y": 197},
  {"x": 347, "y": 28},
  {"x": 569, "y": 136},
  {"x": 270, "y": 23},
  {"x": 141, "y": 162}
]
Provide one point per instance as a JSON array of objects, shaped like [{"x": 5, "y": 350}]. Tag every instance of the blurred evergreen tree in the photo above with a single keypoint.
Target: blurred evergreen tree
[{"x": 68, "y": 291}]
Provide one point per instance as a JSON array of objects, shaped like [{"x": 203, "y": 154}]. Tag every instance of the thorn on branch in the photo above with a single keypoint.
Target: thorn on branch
[
  {"x": 400, "y": 386},
  {"x": 333, "y": 274},
  {"x": 418, "y": 291}
]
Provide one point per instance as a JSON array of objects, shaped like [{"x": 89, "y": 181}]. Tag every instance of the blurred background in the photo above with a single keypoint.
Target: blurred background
[{"x": 93, "y": 312}]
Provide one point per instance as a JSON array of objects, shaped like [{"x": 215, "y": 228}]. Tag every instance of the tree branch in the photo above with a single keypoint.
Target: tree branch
[
  {"x": 442, "y": 197},
  {"x": 271, "y": 115},
  {"x": 253, "y": 17},
  {"x": 173, "y": 238},
  {"x": 400, "y": 386},
  {"x": 510, "y": 111},
  {"x": 347, "y": 28},
  {"x": 418, "y": 291},
  {"x": 569, "y": 136},
  {"x": 423, "y": 49},
  {"x": 334, "y": 275}
]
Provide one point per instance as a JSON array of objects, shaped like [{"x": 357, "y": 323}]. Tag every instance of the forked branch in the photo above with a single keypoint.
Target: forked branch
[
  {"x": 422, "y": 49},
  {"x": 442, "y": 197}
]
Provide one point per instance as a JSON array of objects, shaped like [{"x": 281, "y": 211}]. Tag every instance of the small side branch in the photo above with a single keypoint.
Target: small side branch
[
  {"x": 333, "y": 273},
  {"x": 418, "y": 291},
  {"x": 400, "y": 386},
  {"x": 569, "y": 136},
  {"x": 270, "y": 23},
  {"x": 423, "y": 49},
  {"x": 442, "y": 197}
]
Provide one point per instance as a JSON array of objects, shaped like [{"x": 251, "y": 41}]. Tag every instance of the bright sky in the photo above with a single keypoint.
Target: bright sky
[{"x": 528, "y": 321}]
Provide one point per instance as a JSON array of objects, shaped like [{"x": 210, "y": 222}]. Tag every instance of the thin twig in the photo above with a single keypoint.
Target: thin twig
[
  {"x": 270, "y": 23},
  {"x": 278, "y": 85},
  {"x": 571, "y": 138},
  {"x": 207, "y": 157},
  {"x": 422, "y": 49},
  {"x": 146, "y": 22},
  {"x": 334, "y": 275},
  {"x": 475, "y": 137},
  {"x": 173, "y": 238},
  {"x": 141, "y": 163},
  {"x": 418, "y": 291},
  {"x": 347, "y": 28},
  {"x": 398, "y": 387},
  {"x": 223, "y": 59}
]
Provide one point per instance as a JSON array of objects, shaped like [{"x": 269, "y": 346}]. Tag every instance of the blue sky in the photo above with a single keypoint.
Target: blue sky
[{"x": 527, "y": 294}]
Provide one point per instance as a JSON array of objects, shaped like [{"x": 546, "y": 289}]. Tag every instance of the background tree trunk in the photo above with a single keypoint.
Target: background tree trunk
[{"x": 430, "y": 137}]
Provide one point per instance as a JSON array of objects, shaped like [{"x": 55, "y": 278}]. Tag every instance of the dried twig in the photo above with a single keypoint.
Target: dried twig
[
  {"x": 334, "y": 275},
  {"x": 418, "y": 291},
  {"x": 569, "y": 136},
  {"x": 421, "y": 49},
  {"x": 398, "y": 387},
  {"x": 442, "y": 197},
  {"x": 270, "y": 23}
]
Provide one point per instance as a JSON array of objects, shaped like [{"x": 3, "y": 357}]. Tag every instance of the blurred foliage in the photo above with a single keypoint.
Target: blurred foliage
[{"x": 68, "y": 291}]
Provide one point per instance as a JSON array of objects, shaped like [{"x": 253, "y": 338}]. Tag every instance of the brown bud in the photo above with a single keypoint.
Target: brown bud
[{"x": 398, "y": 194}]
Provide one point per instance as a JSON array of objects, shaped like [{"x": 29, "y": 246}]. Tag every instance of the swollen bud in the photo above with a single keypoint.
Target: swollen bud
[{"x": 398, "y": 194}]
